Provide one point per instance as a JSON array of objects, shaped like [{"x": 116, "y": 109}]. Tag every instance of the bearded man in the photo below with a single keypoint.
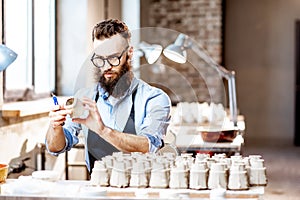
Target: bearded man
[{"x": 125, "y": 113}]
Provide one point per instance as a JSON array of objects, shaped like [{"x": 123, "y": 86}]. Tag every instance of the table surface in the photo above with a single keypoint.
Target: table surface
[
  {"x": 188, "y": 138},
  {"x": 70, "y": 189}
]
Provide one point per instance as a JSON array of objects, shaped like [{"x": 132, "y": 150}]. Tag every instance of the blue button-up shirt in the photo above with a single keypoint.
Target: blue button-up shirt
[{"x": 152, "y": 114}]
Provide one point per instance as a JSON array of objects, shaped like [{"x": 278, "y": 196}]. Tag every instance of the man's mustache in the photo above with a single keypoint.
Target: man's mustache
[{"x": 110, "y": 71}]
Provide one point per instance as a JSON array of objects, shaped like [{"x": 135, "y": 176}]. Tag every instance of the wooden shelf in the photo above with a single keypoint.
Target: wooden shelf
[{"x": 28, "y": 108}]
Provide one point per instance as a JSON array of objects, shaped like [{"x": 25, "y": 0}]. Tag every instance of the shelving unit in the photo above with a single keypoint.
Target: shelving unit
[{"x": 69, "y": 164}]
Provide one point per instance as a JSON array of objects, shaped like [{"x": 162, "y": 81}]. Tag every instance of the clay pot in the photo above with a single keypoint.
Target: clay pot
[{"x": 3, "y": 172}]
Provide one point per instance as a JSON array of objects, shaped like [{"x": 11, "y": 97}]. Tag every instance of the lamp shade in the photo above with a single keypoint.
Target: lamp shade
[
  {"x": 152, "y": 52},
  {"x": 177, "y": 51},
  {"x": 7, "y": 56}
]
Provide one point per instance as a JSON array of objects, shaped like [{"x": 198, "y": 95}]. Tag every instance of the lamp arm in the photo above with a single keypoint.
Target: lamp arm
[
  {"x": 201, "y": 52},
  {"x": 232, "y": 98},
  {"x": 228, "y": 75}
]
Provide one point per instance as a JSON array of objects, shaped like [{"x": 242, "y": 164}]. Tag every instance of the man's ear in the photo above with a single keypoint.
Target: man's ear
[{"x": 130, "y": 52}]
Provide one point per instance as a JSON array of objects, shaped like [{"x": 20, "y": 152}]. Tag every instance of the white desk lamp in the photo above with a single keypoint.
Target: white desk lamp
[
  {"x": 150, "y": 51},
  {"x": 177, "y": 53},
  {"x": 7, "y": 56}
]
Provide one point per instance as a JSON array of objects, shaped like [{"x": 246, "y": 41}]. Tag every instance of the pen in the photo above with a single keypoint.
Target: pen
[
  {"x": 54, "y": 99},
  {"x": 56, "y": 103}
]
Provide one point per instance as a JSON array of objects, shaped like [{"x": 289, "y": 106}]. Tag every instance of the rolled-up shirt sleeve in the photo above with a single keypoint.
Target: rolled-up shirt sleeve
[
  {"x": 156, "y": 121},
  {"x": 71, "y": 131}
]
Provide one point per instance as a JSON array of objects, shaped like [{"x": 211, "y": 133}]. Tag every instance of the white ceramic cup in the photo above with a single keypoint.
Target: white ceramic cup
[
  {"x": 217, "y": 179},
  {"x": 257, "y": 176},
  {"x": 198, "y": 179},
  {"x": 198, "y": 166},
  {"x": 218, "y": 167},
  {"x": 254, "y": 157},
  {"x": 99, "y": 177},
  {"x": 99, "y": 164},
  {"x": 238, "y": 181},
  {"x": 238, "y": 167},
  {"x": 77, "y": 107},
  {"x": 257, "y": 163}
]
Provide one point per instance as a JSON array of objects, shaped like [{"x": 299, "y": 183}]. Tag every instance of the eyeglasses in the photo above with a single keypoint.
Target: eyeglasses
[{"x": 99, "y": 61}]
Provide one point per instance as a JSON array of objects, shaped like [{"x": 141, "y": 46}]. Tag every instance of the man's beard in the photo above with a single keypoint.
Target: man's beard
[{"x": 117, "y": 86}]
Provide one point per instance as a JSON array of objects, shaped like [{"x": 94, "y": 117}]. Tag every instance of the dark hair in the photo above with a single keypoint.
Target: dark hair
[{"x": 110, "y": 27}]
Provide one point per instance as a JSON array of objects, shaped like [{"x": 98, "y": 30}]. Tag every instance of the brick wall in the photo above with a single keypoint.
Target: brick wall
[{"x": 201, "y": 20}]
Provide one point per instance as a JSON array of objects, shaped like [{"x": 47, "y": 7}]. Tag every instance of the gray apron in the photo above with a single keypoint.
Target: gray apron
[{"x": 98, "y": 147}]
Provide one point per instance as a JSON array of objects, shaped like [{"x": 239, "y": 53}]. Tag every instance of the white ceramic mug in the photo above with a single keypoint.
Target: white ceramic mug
[
  {"x": 257, "y": 163},
  {"x": 77, "y": 107},
  {"x": 99, "y": 177},
  {"x": 198, "y": 179},
  {"x": 238, "y": 167},
  {"x": 218, "y": 167},
  {"x": 238, "y": 180}
]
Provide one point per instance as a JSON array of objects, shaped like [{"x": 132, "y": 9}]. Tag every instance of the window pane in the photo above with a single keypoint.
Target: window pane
[
  {"x": 21, "y": 38},
  {"x": 18, "y": 38},
  {"x": 44, "y": 35}
]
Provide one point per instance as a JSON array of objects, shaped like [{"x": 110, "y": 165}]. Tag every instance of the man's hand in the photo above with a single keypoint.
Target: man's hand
[
  {"x": 123, "y": 141},
  {"x": 58, "y": 115},
  {"x": 55, "y": 137},
  {"x": 93, "y": 120}
]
